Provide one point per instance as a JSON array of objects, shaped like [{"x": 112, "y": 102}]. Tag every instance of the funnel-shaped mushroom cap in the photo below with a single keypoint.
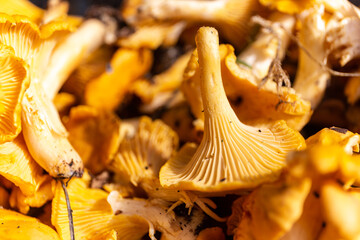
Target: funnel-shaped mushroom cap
[
  {"x": 92, "y": 214},
  {"x": 14, "y": 80},
  {"x": 17, "y": 226},
  {"x": 231, "y": 155},
  {"x": 95, "y": 135},
  {"x": 44, "y": 193},
  {"x": 144, "y": 149},
  {"x": 17, "y": 165},
  {"x": 31, "y": 43}
]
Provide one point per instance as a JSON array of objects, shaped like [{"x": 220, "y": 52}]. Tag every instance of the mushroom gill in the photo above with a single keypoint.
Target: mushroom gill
[
  {"x": 231, "y": 155},
  {"x": 14, "y": 80}
]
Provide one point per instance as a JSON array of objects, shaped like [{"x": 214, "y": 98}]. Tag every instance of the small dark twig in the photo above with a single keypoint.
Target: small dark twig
[
  {"x": 72, "y": 175},
  {"x": 275, "y": 72},
  {"x": 70, "y": 216}
]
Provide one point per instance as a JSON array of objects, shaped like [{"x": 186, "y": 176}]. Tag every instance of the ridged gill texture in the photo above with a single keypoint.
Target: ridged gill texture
[
  {"x": 231, "y": 155},
  {"x": 13, "y": 83}
]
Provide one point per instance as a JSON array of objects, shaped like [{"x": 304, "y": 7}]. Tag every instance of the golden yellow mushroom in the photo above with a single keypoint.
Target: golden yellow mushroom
[
  {"x": 14, "y": 225},
  {"x": 43, "y": 194},
  {"x": 341, "y": 211},
  {"x": 95, "y": 135},
  {"x": 14, "y": 80},
  {"x": 22, "y": 7},
  {"x": 44, "y": 134},
  {"x": 146, "y": 145},
  {"x": 273, "y": 208},
  {"x": 108, "y": 90},
  {"x": 93, "y": 215},
  {"x": 17, "y": 165},
  {"x": 231, "y": 155},
  {"x": 341, "y": 137}
]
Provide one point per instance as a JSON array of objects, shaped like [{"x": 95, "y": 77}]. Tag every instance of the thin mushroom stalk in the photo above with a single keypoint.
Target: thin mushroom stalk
[
  {"x": 229, "y": 15},
  {"x": 231, "y": 154},
  {"x": 69, "y": 54},
  {"x": 46, "y": 137}
]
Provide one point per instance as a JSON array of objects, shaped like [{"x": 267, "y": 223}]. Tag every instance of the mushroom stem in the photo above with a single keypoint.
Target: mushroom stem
[
  {"x": 69, "y": 54},
  {"x": 207, "y": 42},
  {"x": 190, "y": 10}
]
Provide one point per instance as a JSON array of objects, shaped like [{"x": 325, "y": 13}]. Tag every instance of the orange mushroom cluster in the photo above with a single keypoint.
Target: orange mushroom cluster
[{"x": 184, "y": 119}]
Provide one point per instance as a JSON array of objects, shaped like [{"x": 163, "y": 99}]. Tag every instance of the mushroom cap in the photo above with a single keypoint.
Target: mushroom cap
[
  {"x": 17, "y": 165},
  {"x": 31, "y": 43},
  {"x": 231, "y": 155},
  {"x": 22, "y": 7},
  {"x": 14, "y": 80},
  {"x": 16, "y": 226},
  {"x": 341, "y": 137},
  {"x": 341, "y": 211},
  {"x": 92, "y": 214},
  {"x": 95, "y": 135},
  {"x": 146, "y": 146},
  {"x": 43, "y": 194},
  {"x": 273, "y": 208}
]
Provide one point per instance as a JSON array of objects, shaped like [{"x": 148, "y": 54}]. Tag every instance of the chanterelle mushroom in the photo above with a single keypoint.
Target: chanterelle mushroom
[
  {"x": 44, "y": 134},
  {"x": 231, "y": 155}
]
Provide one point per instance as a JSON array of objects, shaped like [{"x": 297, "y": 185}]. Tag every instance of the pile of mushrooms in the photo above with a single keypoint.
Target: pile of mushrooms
[{"x": 193, "y": 120}]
